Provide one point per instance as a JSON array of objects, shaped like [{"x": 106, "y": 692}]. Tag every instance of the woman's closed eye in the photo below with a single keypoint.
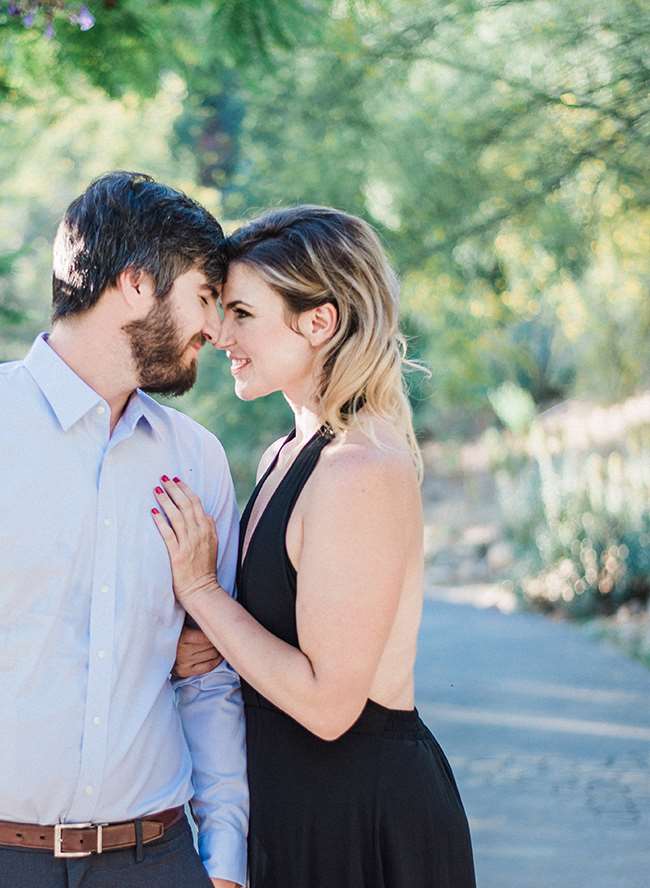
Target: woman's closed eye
[{"x": 241, "y": 313}]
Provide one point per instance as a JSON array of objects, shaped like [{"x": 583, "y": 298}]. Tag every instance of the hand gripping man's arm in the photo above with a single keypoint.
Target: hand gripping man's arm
[{"x": 212, "y": 713}]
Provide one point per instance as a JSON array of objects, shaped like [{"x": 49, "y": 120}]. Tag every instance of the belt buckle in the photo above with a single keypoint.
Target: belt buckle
[{"x": 58, "y": 839}]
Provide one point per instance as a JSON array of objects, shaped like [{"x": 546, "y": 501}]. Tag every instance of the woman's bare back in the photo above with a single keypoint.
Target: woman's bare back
[{"x": 392, "y": 685}]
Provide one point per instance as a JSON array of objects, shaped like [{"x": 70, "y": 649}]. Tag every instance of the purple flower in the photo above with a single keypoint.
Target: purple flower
[
  {"x": 85, "y": 19},
  {"x": 13, "y": 9},
  {"x": 28, "y": 20},
  {"x": 49, "y": 31}
]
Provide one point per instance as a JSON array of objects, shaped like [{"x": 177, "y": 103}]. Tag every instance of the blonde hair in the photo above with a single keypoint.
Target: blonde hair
[{"x": 312, "y": 255}]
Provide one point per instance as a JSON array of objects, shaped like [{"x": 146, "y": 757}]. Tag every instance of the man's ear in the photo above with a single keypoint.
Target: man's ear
[
  {"x": 318, "y": 325},
  {"x": 137, "y": 290}
]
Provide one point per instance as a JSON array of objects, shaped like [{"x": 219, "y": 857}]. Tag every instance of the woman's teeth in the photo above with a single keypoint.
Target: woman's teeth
[{"x": 236, "y": 364}]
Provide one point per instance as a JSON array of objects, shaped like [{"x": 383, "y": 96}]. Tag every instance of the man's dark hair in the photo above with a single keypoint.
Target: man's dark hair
[{"x": 128, "y": 220}]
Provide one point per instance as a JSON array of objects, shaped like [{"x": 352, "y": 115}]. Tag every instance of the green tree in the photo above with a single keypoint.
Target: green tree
[
  {"x": 499, "y": 146},
  {"x": 121, "y": 45}
]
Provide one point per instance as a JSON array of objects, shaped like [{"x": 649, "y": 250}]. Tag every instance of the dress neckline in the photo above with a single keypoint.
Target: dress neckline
[{"x": 243, "y": 557}]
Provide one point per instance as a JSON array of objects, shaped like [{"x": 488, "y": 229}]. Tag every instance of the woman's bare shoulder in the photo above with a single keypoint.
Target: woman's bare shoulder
[
  {"x": 359, "y": 463},
  {"x": 364, "y": 494},
  {"x": 374, "y": 443}
]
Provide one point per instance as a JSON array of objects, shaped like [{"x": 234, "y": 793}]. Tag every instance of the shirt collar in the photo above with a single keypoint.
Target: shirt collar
[
  {"x": 70, "y": 397},
  {"x": 141, "y": 406}
]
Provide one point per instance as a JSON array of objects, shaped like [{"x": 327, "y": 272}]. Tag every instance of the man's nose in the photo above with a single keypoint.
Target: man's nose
[{"x": 212, "y": 328}]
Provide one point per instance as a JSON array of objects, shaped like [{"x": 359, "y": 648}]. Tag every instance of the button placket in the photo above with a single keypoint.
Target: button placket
[{"x": 100, "y": 648}]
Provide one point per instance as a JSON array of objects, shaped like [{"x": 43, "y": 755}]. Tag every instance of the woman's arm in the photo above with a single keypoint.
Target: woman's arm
[
  {"x": 356, "y": 534},
  {"x": 195, "y": 655}
]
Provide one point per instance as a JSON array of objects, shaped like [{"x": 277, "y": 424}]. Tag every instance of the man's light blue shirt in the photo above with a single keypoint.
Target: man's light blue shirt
[{"x": 91, "y": 727}]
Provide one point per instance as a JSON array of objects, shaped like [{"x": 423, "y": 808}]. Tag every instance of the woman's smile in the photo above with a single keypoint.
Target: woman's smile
[{"x": 238, "y": 364}]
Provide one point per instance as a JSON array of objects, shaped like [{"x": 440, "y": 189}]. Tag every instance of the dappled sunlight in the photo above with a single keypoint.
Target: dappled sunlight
[
  {"x": 483, "y": 595},
  {"x": 566, "y": 692},
  {"x": 532, "y": 722}
]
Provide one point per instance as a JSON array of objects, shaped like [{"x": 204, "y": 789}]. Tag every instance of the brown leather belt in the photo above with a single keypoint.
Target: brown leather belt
[{"x": 83, "y": 839}]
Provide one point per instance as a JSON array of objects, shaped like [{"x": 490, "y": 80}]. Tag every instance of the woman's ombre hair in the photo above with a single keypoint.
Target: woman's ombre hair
[{"x": 312, "y": 255}]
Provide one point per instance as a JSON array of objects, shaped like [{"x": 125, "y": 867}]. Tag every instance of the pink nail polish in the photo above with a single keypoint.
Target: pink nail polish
[
  {"x": 159, "y": 490},
  {"x": 155, "y": 512},
  {"x": 176, "y": 480},
  {"x": 164, "y": 478}
]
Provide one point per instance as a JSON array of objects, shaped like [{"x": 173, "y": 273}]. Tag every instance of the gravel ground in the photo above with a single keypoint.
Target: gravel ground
[{"x": 548, "y": 732}]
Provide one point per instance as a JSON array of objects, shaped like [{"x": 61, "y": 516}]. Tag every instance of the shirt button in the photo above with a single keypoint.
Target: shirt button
[
  {"x": 89, "y": 790},
  {"x": 107, "y": 522},
  {"x": 97, "y": 720},
  {"x": 101, "y": 654},
  {"x": 101, "y": 410},
  {"x": 104, "y": 590}
]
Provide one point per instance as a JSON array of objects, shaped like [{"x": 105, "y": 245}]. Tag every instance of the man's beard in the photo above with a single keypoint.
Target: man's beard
[{"x": 158, "y": 352}]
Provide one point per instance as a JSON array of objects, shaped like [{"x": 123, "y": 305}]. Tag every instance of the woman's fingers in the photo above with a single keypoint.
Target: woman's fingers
[
  {"x": 200, "y": 667},
  {"x": 194, "y": 557},
  {"x": 178, "y": 496},
  {"x": 188, "y": 670},
  {"x": 165, "y": 529},
  {"x": 190, "y": 499},
  {"x": 195, "y": 645},
  {"x": 191, "y": 637},
  {"x": 196, "y": 655},
  {"x": 177, "y": 517}
]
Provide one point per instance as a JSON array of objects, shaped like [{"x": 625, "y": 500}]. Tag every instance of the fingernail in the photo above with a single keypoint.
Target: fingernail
[
  {"x": 155, "y": 512},
  {"x": 176, "y": 480},
  {"x": 164, "y": 478},
  {"x": 159, "y": 490}
]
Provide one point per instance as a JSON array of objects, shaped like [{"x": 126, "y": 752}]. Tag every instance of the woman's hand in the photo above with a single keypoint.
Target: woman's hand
[
  {"x": 195, "y": 654},
  {"x": 190, "y": 537}
]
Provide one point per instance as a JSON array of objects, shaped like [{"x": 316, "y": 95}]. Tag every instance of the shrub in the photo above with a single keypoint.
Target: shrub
[{"x": 575, "y": 495}]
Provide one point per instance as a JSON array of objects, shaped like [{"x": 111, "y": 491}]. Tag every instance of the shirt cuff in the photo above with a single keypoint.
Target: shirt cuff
[{"x": 223, "y": 853}]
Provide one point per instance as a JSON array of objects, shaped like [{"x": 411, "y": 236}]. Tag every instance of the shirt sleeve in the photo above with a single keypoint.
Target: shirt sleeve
[{"x": 212, "y": 713}]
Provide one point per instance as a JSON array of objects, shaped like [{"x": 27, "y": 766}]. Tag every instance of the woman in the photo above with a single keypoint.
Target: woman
[{"x": 348, "y": 787}]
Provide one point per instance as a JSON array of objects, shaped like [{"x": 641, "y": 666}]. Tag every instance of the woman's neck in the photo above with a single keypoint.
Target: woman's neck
[{"x": 306, "y": 419}]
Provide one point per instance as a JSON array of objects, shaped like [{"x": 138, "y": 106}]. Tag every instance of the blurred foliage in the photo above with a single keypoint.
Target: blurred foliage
[
  {"x": 9, "y": 311},
  {"x": 514, "y": 406},
  {"x": 123, "y": 45},
  {"x": 575, "y": 495},
  {"x": 499, "y": 146}
]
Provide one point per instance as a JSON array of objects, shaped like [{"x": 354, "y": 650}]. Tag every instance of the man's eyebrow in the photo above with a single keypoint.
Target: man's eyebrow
[{"x": 212, "y": 290}]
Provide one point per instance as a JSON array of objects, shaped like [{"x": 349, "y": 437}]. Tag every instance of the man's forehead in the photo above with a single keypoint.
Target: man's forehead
[{"x": 197, "y": 277}]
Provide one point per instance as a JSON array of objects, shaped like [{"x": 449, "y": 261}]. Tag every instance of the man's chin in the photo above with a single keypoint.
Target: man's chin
[{"x": 172, "y": 388}]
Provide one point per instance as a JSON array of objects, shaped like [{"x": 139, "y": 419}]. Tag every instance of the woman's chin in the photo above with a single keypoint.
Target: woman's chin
[{"x": 245, "y": 393}]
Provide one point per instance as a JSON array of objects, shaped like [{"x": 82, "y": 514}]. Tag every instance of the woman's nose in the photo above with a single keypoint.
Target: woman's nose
[{"x": 225, "y": 338}]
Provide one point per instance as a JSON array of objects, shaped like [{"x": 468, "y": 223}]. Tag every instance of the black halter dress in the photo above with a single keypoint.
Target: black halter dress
[{"x": 376, "y": 808}]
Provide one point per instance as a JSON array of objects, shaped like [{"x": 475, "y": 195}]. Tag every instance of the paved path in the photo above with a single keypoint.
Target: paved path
[{"x": 549, "y": 736}]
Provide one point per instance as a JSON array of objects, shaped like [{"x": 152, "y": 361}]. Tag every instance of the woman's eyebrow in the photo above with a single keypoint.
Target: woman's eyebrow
[{"x": 235, "y": 302}]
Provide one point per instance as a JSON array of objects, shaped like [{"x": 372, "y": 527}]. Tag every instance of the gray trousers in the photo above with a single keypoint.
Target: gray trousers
[{"x": 170, "y": 862}]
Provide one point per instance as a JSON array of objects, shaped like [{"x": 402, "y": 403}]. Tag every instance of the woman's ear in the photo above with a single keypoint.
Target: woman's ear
[{"x": 318, "y": 325}]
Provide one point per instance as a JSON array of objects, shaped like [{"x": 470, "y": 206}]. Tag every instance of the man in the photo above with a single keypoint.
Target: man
[{"x": 100, "y": 749}]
